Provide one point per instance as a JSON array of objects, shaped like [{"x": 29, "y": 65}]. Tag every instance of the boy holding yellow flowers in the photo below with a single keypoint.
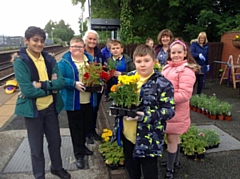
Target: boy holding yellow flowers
[{"x": 143, "y": 135}]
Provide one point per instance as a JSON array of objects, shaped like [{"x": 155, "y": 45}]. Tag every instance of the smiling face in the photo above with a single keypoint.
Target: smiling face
[
  {"x": 91, "y": 40},
  {"x": 165, "y": 40},
  {"x": 177, "y": 53},
  {"x": 144, "y": 65},
  {"x": 76, "y": 48},
  {"x": 35, "y": 45}
]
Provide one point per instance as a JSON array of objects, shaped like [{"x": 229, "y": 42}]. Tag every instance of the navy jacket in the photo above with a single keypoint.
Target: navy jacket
[{"x": 196, "y": 49}]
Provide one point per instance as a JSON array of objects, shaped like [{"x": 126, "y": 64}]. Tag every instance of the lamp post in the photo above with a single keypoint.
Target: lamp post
[{"x": 52, "y": 35}]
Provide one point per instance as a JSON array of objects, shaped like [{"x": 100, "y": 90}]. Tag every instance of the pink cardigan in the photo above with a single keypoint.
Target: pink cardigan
[{"x": 183, "y": 79}]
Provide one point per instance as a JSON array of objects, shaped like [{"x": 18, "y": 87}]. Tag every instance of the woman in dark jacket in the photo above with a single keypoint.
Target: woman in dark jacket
[
  {"x": 199, "y": 51},
  {"x": 165, "y": 38}
]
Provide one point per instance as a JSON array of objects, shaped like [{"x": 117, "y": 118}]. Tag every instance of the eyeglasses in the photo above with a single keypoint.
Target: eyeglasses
[{"x": 77, "y": 47}]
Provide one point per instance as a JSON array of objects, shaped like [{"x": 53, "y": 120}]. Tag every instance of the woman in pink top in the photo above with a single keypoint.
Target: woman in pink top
[{"x": 180, "y": 70}]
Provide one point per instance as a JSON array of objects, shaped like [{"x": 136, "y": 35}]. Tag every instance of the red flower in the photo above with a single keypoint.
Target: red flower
[
  {"x": 86, "y": 76},
  {"x": 104, "y": 76}
]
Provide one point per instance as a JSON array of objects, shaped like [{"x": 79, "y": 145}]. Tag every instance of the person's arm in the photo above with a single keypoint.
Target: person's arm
[
  {"x": 194, "y": 51},
  {"x": 57, "y": 82},
  {"x": 23, "y": 77},
  {"x": 186, "y": 82},
  {"x": 69, "y": 82}
]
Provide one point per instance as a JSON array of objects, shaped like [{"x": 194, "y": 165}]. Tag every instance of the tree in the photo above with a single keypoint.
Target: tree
[
  {"x": 59, "y": 30},
  {"x": 185, "y": 18}
]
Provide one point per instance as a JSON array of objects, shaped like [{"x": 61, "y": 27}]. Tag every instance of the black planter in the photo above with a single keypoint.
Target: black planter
[
  {"x": 112, "y": 166},
  {"x": 121, "y": 111},
  {"x": 93, "y": 88}
]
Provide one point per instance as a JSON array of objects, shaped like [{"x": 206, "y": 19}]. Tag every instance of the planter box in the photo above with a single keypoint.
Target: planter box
[
  {"x": 121, "y": 111},
  {"x": 236, "y": 43},
  {"x": 93, "y": 88}
]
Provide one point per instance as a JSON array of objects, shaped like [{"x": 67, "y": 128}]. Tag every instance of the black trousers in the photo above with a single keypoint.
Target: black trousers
[
  {"x": 79, "y": 121},
  {"x": 200, "y": 81},
  {"x": 148, "y": 165},
  {"x": 93, "y": 122},
  {"x": 46, "y": 123}
]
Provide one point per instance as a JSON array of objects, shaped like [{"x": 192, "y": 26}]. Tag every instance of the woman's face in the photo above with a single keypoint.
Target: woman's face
[
  {"x": 177, "y": 53},
  {"x": 91, "y": 40},
  {"x": 165, "y": 40},
  {"x": 201, "y": 39}
]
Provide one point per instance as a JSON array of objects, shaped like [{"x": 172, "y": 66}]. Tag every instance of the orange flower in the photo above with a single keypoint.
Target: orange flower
[{"x": 114, "y": 88}]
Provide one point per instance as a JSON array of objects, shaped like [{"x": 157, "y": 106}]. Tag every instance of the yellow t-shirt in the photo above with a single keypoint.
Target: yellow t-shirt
[
  {"x": 84, "y": 96},
  {"x": 42, "y": 102},
  {"x": 130, "y": 127}
]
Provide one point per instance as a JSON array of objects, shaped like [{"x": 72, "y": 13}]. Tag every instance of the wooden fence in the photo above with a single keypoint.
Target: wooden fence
[{"x": 215, "y": 54}]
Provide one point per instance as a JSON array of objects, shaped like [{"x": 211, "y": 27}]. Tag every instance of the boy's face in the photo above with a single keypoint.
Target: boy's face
[
  {"x": 116, "y": 50},
  {"x": 150, "y": 43},
  {"x": 144, "y": 65},
  {"x": 35, "y": 44},
  {"x": 76, "y": 49}
]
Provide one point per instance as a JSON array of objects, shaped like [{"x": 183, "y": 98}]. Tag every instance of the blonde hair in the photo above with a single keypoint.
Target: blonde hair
[{"x": 202, "y": 34}]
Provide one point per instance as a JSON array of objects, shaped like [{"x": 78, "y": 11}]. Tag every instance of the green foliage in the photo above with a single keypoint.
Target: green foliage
[
  {"x": 59, "y": 30},
  {"x": 112, "y": 153}
]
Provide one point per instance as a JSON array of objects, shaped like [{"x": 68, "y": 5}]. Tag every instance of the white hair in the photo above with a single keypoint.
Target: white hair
[{"x": 90, "y": 31}]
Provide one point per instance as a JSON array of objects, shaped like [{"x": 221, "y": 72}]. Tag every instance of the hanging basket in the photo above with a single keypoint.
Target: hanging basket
[{"x": 236, "y": 43}]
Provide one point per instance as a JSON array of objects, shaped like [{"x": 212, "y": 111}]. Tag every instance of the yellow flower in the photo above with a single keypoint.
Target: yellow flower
[
  {"x": 237, "y": 37},
  {"x": 106, "y": 139},
  {"x": 103, "y": 135},
  {"x": 105, "y": 130},
  {"x": 125, "y": 93}
]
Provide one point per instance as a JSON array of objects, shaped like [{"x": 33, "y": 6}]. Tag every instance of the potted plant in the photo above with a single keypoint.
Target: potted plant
[
  {"x": 111, "y": 66},
  {"x": 125, "y": 96},
  {"x": 92, "y": 76},
  {"x": 112, "y": 154},
  {"x": 194, "y": 102},
  {"x": 212, "y": 138},
  {"x": 193, "y": 144},
  {"x": 227, "y": 111},
  {"x": 236, "y": 41},
  {"x": 220, "y": 114}
]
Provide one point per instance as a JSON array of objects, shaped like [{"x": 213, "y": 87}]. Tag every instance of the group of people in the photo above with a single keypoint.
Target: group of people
[{"x": 47, "y": 87}]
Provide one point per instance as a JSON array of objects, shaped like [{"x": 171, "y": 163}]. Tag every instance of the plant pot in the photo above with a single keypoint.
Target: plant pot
[
  {"x": 203, "y": 112},
  {"x": 213, "y": 117},
  {"x": 228, "y": 118},
  {"x": 94, "y": 88},
  {"x": 112, "y": 166},
  {"x": 220, "y": 117},
  {"x": 194, "y": 109},
  {"x": 199, "y": 110},
  {"x": 236, "y": 43},
  {"x": 111, "y": 72}
]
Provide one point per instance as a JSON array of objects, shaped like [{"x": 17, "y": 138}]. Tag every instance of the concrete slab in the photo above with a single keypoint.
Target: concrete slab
[
  {"x": 21, "y": 161},
  {"x": 227, "y": 142}
]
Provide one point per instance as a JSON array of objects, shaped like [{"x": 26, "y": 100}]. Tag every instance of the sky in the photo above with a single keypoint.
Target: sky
[{"x": 17, "y": 15}]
